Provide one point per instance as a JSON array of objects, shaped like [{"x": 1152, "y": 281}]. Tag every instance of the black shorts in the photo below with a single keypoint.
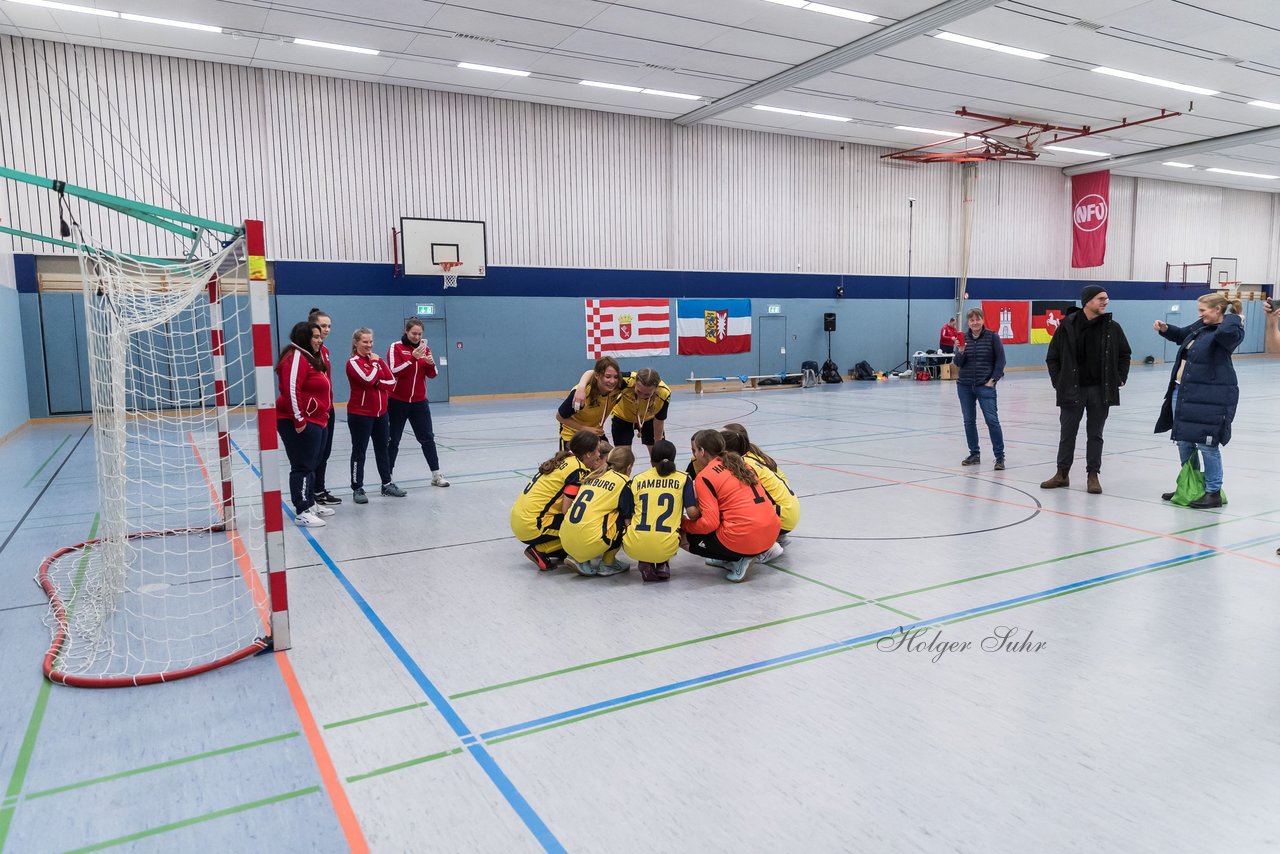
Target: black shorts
[{"x": 624, "y": 433}]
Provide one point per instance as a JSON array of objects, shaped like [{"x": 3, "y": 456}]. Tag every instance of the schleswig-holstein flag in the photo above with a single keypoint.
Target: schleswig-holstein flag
[{"x": 710, "y": 327}]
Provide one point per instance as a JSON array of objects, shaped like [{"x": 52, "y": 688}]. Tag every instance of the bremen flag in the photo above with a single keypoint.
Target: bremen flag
[
  {"x": 1008, "y": 320},
  {"x": 1046, "y": 315},
  {"x": 709, "y": 327},
  {"x": 628, "y": 327}
]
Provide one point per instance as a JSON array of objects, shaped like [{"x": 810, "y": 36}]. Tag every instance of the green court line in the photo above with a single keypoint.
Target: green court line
[
  {"x": 160, "y": 765},
  {"x": 650, "y": 651},
  {"x": 826, "y": 653},
  {"x": 46, "y": 462},
  {"x": 844, "y": 592},
  {"x": 27, "y": 750},
  {"x": 373, "y": 715},
  {"x": 408, "y": 763},
  {"x": 188, "y": 822}
]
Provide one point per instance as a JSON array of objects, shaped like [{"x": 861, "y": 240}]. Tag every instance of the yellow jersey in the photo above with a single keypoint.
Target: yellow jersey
[
  {"x": 591, "y": 416},
  {"x": 637, "y": 411},
  {"x": 779, "y": 492},
  {"x": 537, "y": 508},
  {"x": 591, "y": 525},
  {"x": 655, "y": 505}
]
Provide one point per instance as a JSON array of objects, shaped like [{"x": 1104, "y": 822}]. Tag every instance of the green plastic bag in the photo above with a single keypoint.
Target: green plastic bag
[{"x": 1190, "y": 485}]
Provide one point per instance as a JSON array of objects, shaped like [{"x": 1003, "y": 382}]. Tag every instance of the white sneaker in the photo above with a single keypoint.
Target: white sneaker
[
  {"x": 774, "y": 552},
  {"x": 307, "y": 519},
  {"x": 437, "y": 479},
  {"x": 321, "y": 510}
]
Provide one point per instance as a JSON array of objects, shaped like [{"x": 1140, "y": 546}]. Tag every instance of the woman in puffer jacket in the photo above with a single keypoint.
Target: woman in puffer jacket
[{"x": 1200, "y": 403}]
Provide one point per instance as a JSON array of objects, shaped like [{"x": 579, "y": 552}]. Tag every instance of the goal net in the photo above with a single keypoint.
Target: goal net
[{"x": 173, "y": 580}]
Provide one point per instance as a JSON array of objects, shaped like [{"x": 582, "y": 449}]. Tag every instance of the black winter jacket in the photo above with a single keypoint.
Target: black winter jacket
[
  {"x": 1209, "y": 393},
  {"x": 1064, "y": 370}
]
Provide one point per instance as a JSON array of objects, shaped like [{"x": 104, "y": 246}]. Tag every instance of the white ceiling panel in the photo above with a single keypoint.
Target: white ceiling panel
[{"x": 716, "y": 48}]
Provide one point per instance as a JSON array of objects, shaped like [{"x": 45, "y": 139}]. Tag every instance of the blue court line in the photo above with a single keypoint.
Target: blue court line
[
  {"x": 837, "y": 645},
  {"x": 478, "y": 752}
]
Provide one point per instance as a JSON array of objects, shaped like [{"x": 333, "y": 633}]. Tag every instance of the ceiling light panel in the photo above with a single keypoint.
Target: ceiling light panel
[
  {"x": 493, "y": 69},
  {"x": 166, "y": 22},
  {"x": 69, "y": 7},
  {"x": 1270, "y": 105},
  {"x": 803, "y": 113},
  {"x": 1176, "y": 165},
  {"x": 617, "y": 86},
  {"x": 998, "y": 48},
  {"x": 1243, "y": 174},
  {"x": 331, "y": 46},
  {"x": 838, "y": 12},
  {"x": 1153, "y": 81},
  {"x": 1065, "y": 150}
]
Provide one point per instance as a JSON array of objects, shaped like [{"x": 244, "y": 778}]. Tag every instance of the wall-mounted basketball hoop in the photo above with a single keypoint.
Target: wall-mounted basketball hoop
[{"x": 446, "y": 270}]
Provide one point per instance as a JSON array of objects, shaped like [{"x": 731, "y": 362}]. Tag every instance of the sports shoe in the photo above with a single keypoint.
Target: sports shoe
[
  {"x": 715, "y": 562},
  {"x": 971, "y": 460},
  {"x": 321, "y": 510},
  {"x": 648, "y": 571},
  {"x": 774, "y": 552},
  {"x": 738, "y": 569},
  {"x": 537, "y": 558},
  {"x": 437, "y": 479},
  {"x": 307, "y": 519},
  {"x": 1000, "y": 464},
  {"x": 663, "y": 570},
  {"x": 392, "y": 491},
  {"x": 583, "y": 567},
  {"x": 1166, "y": 496},
  {"x": 327, "y": 497},
  {"x": 783, "y": 538},
  {"x": 358, "y": 496},
  {"x": 604, "y": 569}
]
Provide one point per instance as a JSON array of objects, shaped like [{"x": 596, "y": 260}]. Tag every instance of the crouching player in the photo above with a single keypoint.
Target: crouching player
[
  {"x": 591, "y": 533},
  {"x": 539, "y": 510},
  {"x": 652, "y": 507}
]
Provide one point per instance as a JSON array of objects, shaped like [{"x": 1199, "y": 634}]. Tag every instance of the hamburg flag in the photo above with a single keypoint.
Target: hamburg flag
[
  {"x": 628, "y": 327},
  {"x": 709, "y": 327},
  {"x": 1046, "y": 315},
  {"x": 1007, "y": 319}
]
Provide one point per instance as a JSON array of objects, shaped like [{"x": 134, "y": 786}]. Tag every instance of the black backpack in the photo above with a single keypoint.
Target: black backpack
[
  {"x": 863, "y": 371},
  {"x": 831, "y": 372}
]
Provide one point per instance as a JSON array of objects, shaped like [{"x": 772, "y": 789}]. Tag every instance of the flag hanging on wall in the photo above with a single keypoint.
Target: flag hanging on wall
[
  {"x": 1046, "y": 316},
  {"x": 1008, "y": 320},
  {"x": 1090, "y": 209},
  {"x": 709, "y": 327},
  {"x": 628, "y": 327}
]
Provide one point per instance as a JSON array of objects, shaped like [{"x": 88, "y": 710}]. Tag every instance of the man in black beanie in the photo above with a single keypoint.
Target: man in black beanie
[{"x": 1088, "y": 362}]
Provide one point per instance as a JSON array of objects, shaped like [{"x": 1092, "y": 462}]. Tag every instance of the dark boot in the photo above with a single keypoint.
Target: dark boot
[
  {"x": 648, "y": 571},
  {"x": 1058, "y": 480},
  {"x": 1094, "y": 487},
  {"x": 664, "y": 571},
  {"x": 1207, "y": 501},
  {"x": 1167, "y": 496}
]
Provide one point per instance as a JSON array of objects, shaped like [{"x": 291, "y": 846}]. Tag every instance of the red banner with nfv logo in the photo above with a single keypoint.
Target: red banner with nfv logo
[{"x": 1090, "y": 205}]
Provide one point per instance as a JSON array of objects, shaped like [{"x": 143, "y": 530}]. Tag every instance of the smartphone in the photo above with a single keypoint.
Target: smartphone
[{"x": 1273, "y": 303}]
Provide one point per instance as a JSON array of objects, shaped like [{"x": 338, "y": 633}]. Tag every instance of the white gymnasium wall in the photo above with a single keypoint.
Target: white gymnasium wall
[{"x": 331, "y": 165}]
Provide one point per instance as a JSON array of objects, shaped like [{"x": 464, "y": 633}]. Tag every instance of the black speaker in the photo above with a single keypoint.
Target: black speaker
[{"x": 829, "y": 322}]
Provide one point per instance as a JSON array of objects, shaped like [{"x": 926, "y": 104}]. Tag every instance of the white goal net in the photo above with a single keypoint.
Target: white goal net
[{"x": 172, "y": 581}]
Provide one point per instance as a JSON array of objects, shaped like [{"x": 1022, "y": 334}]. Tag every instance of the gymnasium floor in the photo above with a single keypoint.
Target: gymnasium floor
[{"x": 441, "y": 695}]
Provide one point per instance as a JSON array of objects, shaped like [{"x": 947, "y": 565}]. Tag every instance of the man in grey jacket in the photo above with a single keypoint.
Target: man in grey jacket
[{"x": 1088, "y": 363}]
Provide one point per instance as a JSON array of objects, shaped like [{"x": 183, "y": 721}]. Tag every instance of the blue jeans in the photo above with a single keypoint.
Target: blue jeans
[
  {"x": 971, "y": 397},
  {"x": 1210, "y": 454}
]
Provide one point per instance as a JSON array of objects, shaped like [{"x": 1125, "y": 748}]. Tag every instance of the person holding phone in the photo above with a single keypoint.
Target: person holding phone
[
  {"x": 412, "y": 365},
  {"x": 1271, "y": 308}
]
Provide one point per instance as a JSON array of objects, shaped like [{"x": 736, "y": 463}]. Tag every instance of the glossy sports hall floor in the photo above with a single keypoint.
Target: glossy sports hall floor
[{"x": 441, "y": 695}]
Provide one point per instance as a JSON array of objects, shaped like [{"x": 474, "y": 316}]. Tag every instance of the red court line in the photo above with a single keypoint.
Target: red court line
[
  {"x": 319, "y": 751},
  {"x": 1042, "y": 509}
]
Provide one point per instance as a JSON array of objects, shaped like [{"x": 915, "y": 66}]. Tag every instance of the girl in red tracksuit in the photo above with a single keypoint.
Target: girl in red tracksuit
[
  {"x": 412, "y": 365},
  {"x": 738, "y": 522},
  {"x": 302, "y": 416},
  {"x": 371, "y": 382}
]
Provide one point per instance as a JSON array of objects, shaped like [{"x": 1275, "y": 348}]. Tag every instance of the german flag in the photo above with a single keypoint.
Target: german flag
[{"x": 1045, "y": 317}]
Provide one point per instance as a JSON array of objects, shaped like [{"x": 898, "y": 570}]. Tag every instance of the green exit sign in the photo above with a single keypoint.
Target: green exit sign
[
  {"x": 775, "y": 309},
  {"x": 426, "y": 310}
]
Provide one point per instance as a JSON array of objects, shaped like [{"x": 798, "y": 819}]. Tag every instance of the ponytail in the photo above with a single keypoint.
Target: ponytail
[
  {"x": 712, "y": 443},
  {"x": 583, "y": 442},
  {"x": 663, "y": 457}
]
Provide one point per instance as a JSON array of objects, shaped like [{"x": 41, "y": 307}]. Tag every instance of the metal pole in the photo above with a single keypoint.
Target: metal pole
[{"x": 911, "y": 217}]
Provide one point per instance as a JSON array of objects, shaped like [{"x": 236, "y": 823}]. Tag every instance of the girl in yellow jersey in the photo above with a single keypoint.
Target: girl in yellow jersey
[
  {"x": 539, "y": 510},
  {"x": 652, "y": 507},
  {"x": 788, "y": 503},
  {"x": 643, "y": 403},
  {"x": 591, "y": 531},
  {"x": 778, "y": 490},
  {"x": 591, "y": 411}
]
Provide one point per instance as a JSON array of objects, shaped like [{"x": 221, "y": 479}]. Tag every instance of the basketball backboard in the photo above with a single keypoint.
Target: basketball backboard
[{"x": 425, "y": 243}]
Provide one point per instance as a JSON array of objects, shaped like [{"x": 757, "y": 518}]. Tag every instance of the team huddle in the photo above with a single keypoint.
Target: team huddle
[{"x": 732, "y": 506}]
